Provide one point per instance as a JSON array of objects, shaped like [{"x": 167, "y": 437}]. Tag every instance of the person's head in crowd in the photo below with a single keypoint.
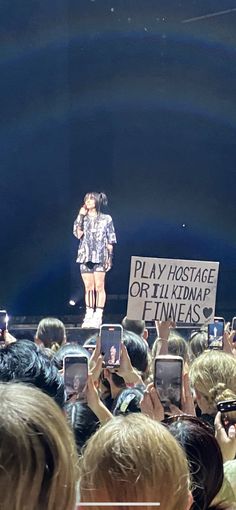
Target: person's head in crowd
[
  {"x": 70, "y": 350},
  {"x": 136, "y": 326},
  {"x": 24, "y": 361},
  {"x": 177, "y": 346},
  {"x": 128, "y": 401},
  {"x": 176, "y": 343},
  {"x": 83, "y": 422},
  {"x": 135, "y": 459},
  {"x": 138, "y": 352},
  {"x": 211, "y": 374},
  {"x": 38, "y": 456},
  {"x": 50, "y": 333},
  {"x": 201, "y": 448},
  {"x": 197, "y": 344}
]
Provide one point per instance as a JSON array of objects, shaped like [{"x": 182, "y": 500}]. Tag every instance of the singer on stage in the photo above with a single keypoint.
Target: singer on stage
[{"x": 97, "y": 237}]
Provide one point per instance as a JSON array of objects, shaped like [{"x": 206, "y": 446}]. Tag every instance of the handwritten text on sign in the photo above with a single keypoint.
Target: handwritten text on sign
[{"x": 183, "y": 290}]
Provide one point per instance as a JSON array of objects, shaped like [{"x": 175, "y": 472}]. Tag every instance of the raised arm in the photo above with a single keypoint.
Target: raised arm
[{"x": 78, "y": 229}]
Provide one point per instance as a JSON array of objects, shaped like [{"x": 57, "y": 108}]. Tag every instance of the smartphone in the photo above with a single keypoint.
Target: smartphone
[
  {"x": 168, "y": 375},
  {"x": 216, "y": 333},
  {"x": 111, "y": 338},
  {"x": 228, "y": 413},
  {"x": 76, "y": 376},
  {"x": 3, "y": 325},
  {"x": 233, "y": 327}
]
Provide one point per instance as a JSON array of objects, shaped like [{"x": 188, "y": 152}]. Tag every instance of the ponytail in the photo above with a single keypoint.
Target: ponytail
[
  {"x": 103, "y": 199},
  {"x": 55, "y": 347}
]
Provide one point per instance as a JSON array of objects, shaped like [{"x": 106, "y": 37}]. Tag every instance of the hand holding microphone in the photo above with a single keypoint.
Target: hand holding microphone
[
  {"x": 83, "y": 210},
  {"x": 82, "y": 213}
]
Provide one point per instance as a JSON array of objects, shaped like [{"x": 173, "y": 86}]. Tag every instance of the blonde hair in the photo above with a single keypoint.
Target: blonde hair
[
  {"x": 38, "y": 469},
  {"x": 212, "y": 373},
  {"x": 134, "y": 459}
]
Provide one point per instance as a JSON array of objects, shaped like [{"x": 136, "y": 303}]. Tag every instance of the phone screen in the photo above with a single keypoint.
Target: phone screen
[
  {"x": 168, "y": 380},
  {"x": 111, "y": 336},
  {"x": 228, "y": 413},
  {"x": 216, "y": 334},
  {"x": 75, "y": 376},
  {"x": 3, "y": 325}
]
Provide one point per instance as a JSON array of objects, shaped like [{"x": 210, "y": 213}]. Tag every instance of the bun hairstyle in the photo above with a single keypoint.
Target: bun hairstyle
[
  {"x": 213, "y": 373},
  {"x": 225, "y": 394},
  {"x": 100, "y": 199}
]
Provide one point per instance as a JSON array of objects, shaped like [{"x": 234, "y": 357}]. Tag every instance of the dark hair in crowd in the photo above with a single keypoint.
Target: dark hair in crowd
[
  {"x": 137, "y": 350},
  {"x": 204, "y": 457},
  {"x": 23, "y": 361},
  {"x": 136, "y": 326},
  {"x": 197, "y": 344},
  {"x": 51, "y": 332},
  {"x": 128, "y": 401},
  {"x": 69, "y": 350},
  {"x": 83, "y": 422}
]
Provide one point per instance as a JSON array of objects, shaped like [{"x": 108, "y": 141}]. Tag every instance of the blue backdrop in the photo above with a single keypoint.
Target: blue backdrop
[{"x": 132, "y": 97}]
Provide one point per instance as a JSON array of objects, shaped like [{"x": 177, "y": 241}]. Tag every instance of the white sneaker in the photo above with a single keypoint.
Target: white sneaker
[
  {"x": 96, "y": 320},
  {"x": 87, "y": 323},
  {"x": 88, "y": 318}
]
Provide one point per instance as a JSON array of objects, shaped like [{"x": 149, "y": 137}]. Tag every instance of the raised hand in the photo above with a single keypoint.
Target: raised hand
[
  {"x": 226, "y": 441},
  {"x": 83, "y": 210}
]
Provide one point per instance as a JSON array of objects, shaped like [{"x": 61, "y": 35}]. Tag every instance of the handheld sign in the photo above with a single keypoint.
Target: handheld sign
[{"x": 181, "y": 290}]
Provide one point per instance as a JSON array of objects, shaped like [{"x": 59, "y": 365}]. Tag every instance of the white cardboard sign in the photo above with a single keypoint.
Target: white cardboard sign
[{"x": 181, "y": 290}]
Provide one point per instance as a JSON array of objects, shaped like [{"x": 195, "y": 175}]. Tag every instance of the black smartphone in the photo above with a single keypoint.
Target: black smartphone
[
  {"x": 228, "y": 413},
  {"x": 3, "y": 325},
  {"x": 168, "y": 375},
  {"x": 216, "y": 333},
  {"x": 76, "y": 376},
  {"x": 233, "y": 327},
  {"x": 111, "y": 338}
]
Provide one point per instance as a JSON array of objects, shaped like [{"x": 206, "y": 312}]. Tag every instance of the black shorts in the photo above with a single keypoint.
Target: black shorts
[{"x": 92, "y": 267}]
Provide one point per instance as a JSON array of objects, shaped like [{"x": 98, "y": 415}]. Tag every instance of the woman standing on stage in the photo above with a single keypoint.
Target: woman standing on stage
[{"x": 97, "y": 236}]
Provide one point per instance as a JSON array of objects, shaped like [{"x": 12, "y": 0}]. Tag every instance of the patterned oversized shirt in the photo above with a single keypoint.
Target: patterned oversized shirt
[{"x": 98, "y": 233}]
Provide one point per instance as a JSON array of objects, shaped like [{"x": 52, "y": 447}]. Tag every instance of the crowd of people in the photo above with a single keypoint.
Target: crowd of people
[
  {"x": 115, "y": 420},
  {"x": 119, "y": 444}
]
